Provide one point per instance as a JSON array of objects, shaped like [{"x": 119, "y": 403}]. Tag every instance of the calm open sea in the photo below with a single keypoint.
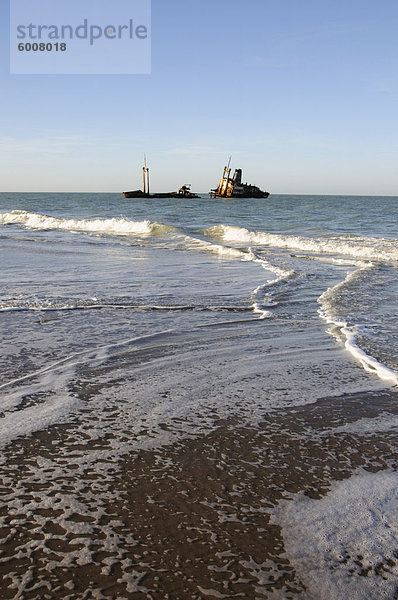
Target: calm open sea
[{"x": 151, "y": 320}]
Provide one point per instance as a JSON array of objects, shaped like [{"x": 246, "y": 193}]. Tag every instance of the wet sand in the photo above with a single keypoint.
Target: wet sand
[{"x": 191, "y": 520}]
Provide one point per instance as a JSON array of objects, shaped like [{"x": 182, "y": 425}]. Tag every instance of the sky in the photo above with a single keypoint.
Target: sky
[{"x": 303, "y": 94}]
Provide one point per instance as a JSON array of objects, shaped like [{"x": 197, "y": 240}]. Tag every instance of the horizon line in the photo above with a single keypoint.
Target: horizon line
[{"x": 204, "y": 193}]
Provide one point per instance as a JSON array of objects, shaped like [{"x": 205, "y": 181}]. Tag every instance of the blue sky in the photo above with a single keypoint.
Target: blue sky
[{"x": 302, "y": 93}]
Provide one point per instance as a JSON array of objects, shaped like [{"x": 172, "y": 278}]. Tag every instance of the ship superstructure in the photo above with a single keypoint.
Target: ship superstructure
[{"x": 232, "y": 187}]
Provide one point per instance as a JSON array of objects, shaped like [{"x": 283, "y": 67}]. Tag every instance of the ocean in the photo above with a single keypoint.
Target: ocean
[{"x": 198, "y": 397}]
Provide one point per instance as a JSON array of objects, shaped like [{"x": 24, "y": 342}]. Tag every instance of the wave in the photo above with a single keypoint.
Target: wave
[
  {"x": 75, "y": 305},
  {"x": 262, "y": 303},
  {"x": 359, "y": 247},
  {"x": 349, "y": 333},
  {"x": 121, "y": 226},
  {"x": 355, "y": 246},
  {"x": 259, "y": 305},
  {"x": 116, "y": 226},
  {"x": 363, "y": 248},
  {"x": 204, "y": 245}
]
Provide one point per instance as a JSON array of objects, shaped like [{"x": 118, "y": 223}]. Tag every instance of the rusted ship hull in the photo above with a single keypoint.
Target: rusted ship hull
[
  {"x": 232, "y": 187},
  {"x": 255, "y": 194}
]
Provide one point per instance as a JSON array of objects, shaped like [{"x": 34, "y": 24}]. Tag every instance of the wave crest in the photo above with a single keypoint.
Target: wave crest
[
  {"x": 116, "y": 226},
  {"x": 349, "y": 245}
]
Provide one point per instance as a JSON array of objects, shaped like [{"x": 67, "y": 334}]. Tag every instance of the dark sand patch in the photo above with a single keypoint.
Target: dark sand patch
[{"x": 188, "y": 521}]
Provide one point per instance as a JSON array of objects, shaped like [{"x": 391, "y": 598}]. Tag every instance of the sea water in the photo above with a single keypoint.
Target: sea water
[{"x": 119, "y": 316}]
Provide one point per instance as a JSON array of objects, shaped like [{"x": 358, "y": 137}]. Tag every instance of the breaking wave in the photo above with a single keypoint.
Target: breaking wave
[
  {"x": 359, "y": 247},
  {"x": 116, "y": 226}
]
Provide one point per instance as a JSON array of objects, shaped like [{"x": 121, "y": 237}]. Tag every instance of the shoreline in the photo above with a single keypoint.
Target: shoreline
[{"x": 191, "y": 520}]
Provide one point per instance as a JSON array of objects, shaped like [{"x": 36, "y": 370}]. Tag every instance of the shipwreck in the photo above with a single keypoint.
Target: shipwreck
[
  {"x": 183, "y": 192},
  {"x": 232, "y": 187}
]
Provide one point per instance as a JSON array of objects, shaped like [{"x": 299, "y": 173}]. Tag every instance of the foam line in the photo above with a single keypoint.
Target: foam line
[
  {"x": 246, "y": 256},
  {"x": 369, "y": 363},
  {"x": 372, "y": 248},
  {"x": 282, "y": 276}
]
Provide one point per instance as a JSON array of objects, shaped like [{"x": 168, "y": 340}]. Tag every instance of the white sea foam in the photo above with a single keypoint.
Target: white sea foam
[
  {"x": 41, "y": 398},
  {"x": 344, "y": 545},
  {"x": 55, "y": 410},
  {"x": 369, "y": 363},
  {"x": 12, "y": 306},
  {"x": 196, "y": 383},
  {"x": 386, "y": 421},
  {"x": 50, "y": 384},
  {"x": 350, "y": 333},
  {"x": 259, "y": 305},
  {"x": 29, "y": 304},
  {"x": 116, "y": 226},
  {"x": 189, "y": 365},
  {"x": 349, "y": 245},
  {"x": 206, "y": 246},
  {"x": 37, "y": 405}
]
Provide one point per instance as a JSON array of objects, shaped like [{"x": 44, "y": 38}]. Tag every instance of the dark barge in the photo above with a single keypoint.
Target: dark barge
[{"x": 183, "y": 192}]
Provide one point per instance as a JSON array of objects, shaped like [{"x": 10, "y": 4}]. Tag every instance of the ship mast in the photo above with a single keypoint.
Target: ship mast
[{"x": 145, "y": 176}]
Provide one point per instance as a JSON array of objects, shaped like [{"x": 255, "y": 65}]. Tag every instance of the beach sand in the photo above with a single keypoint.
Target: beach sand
[{"x": 190, "y": 520}]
